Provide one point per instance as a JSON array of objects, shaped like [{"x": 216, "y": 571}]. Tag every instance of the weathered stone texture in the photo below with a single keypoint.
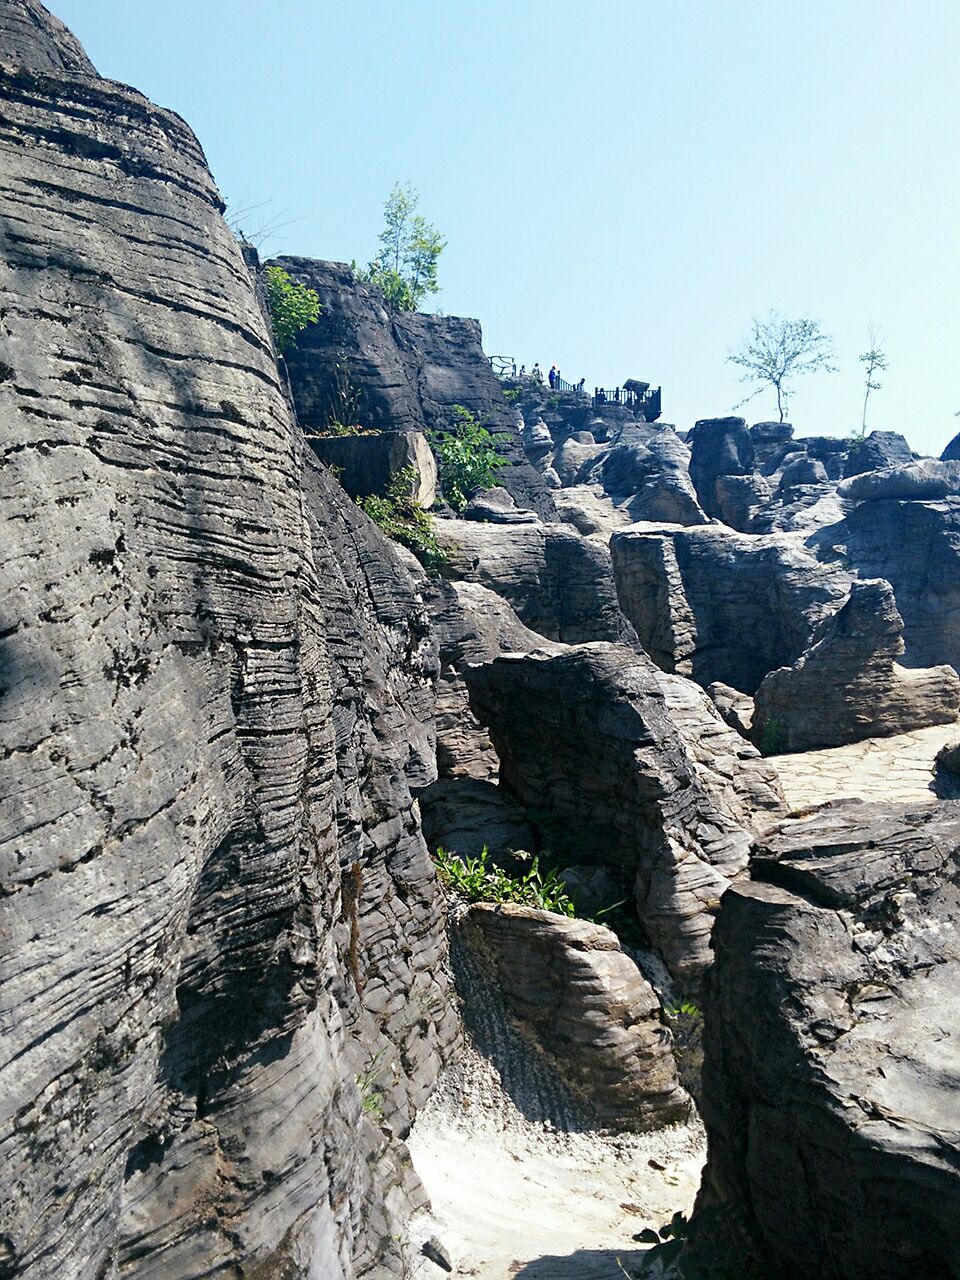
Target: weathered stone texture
[
  {"x": 586, "y": 738},
  {"x": 831, "y": 1067},
  {"x": 182, "y": 1017},
  {"x": 408, "y": 369},
  {"x": 849, "y": 685},
  {"x": 589, "y": 1007},
  {"x": 717, "y": 605}
]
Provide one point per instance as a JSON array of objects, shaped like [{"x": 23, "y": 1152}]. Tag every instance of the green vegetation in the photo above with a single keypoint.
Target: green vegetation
[
  {"x": 713, "y": 1245},
  {"x": 371, "y": 1094},
  {"x": 292, "y": 307},
  {"x": 343, "y": 410},
  {"x": 773, "y": 739},
  {"x": 510, "y": 394},
  {"x": 467, "y": 456},
  {"x": 876, "y": 361},
  {"x": 406, "y": 266},
  {"x": 780, "y": 350},
  {"x": 479, "y": 879},
  {"x": 404, "y": 519}
]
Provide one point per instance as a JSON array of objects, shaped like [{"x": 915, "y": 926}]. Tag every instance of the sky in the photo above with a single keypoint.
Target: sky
[{"x": 623, "y": 185}]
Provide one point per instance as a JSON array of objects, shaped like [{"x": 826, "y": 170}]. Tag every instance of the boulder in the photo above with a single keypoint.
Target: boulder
[
  {"x": 831, "y": 1063},
  {"x": 628, "y": 775},
  {"x": 849, "y": 686},
  {"x": 717, "y": 605},
  {"x": 740, "y": 499},
  {"x": 646, "y": 471},
  {"x": 830, "y": 450},
  {"x": 559, "y": 584},
  {"x": 801, "y": 471},
  {"x": 772, "y": 441},
  {"x": 572, "y": 457},
  {"x": 496, "y": 506},
  {"x": 948, "y": 759},
  {"x": 591, "y": 511},
  {"x": 588, "y": 1007},
  {"x": 367, "y": 464},
  {"x": 880, "y": 449},
  {"x": 913, "y": 482},
  {"x": 915, "y": 546},
  {"x": 718, "y": 447},
  {"x": 736, "y": 708}
]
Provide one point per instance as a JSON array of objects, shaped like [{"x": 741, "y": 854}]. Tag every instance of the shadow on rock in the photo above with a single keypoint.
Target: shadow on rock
[{"x": 584, "y": 1264}]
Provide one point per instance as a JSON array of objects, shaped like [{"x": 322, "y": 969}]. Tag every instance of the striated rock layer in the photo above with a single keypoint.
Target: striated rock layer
[
  {"x": 210, "y": 933},
  {"x": 831, "y": 1063}
]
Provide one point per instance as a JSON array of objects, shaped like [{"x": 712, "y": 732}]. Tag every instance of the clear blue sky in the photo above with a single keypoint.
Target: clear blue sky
[{"x": 623, "y": 184}]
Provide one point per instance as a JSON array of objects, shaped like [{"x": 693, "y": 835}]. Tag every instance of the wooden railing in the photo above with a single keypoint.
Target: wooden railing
[{"x": 645, "y": 405}]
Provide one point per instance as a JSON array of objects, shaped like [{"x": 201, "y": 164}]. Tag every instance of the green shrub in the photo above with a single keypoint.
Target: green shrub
[
  {"x": 467, "y": 457},
  {"x": 292, "y": 307},
  {"x": 404, "y": 519},
  {"x": 479, "y": 879},
  {"x": 715, "y": 1244},
  {"x": 773, "y": 739},
  {"x": 510, "y": 394},
  {"x": 406, "y": 266}
]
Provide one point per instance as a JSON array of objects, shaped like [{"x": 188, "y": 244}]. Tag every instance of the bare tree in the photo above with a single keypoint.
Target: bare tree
[
  {"x": 780, "y": 350},
  {"x": 876, "y": 361}
]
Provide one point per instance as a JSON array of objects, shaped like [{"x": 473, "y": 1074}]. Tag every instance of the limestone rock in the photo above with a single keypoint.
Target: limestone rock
[
  {"x": 559, "y": 584},
  {"x": 629, "y": 775},
  {"x": 646, "y": 472},
  {"x": 194, "y": 972},
  {"x": 717, "y": 605},
  {"x": 914, "y": 481},
  {"x": 830, "y": 1050},
  {"x": 718, "y": 447},
  {"x": 496, "y": 506},
  {"x": 915, "y": 546},
  {"x": 952, "y": 452},
  {"x": 366, "y": 464},
  {"x": 948, "y": 759},
  {"x": 589, "y": 1008},
  {"x": 740, "y": 499},
  {"x": 881, "y": 449},
  {"x": 736, "y": 708},
  {"x": 801, "y": 471},
  {"x": 771, "y": 441},
  {"x": 465, "y": 815},
  {"x": 849, "y": 686},
  {"x": 405, "y": 371}
]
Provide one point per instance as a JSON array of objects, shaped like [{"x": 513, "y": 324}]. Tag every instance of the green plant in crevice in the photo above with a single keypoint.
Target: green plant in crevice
[
  {"x": 468, "y": 458},
  {"x": 715, "y": 1244},
  {"x": 343, "y": 411},
  {"x": 477, "y": 878},
  {"x": 371, "y": 1093},
  {"x": 773, "y": 738},
  {"x": 402, "y": 517},
  {"x": 292, "y": 307}
]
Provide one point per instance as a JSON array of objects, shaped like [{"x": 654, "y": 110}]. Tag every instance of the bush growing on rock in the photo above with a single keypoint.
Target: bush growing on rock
[
  {"x": 292, "y": 307},
  {"x": 401, "y": 517},
  {"x": 478, "y": 879},
  {"x": 467, "y": 456}
]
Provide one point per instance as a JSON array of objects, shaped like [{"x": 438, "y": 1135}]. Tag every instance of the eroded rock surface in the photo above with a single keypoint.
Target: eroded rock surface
[
  {"x": 717, "y": 605},
  {"x": 849, "y": 685},
  {"x": 589, "y": 1007},
  {"x": 210, "y": 930},
  {"x": 831, "y": 1063},
  {"x": 587, "y": 736}
]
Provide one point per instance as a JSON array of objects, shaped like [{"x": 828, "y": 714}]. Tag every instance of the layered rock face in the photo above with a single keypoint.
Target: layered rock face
[
  {"x": 589, "y": 1007},
  {"x": 406, "y": 371},
  {"x": 831, "y": 1066},
  {"x": 915, "y": 546},
  {"x": 586, "y": 736},
  {"x": 211, "y": 931},
  {"x": 719, "y": 606},
  {"x": 849, "y": 685}
]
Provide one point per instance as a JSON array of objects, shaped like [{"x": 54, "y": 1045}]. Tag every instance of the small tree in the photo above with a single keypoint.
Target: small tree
[
  {"x": 406, "y": 266},
  {"x": 292, "y": 307},
  {"x": 468, "y": 457},
  {"x": 780, "y": 350},
  {"x": 876, "y": 361}
]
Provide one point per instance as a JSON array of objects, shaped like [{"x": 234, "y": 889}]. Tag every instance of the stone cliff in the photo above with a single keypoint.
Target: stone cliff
[{"x": 210, "y": 930}]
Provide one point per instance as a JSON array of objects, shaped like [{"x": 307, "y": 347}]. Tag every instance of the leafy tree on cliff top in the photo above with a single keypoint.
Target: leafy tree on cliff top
[
  {"x": 406, "y": 266},
  {"x": 779, "y": 350}
]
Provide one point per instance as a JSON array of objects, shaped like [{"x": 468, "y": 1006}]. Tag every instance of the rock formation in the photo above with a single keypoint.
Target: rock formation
[
  {"x": 212, "y": 931},
  {"x": 589, "y": 1008},
  {"x": 585, "y": 738},
  {"x": 716, "y": 605},
  {"x": 879, "y": 450},
  {"x": 370, "y": 464},
  {"x": 831, "y": 1067},
  {"x": 849, "y": 685},
  {"x": 718, "y": 447}
]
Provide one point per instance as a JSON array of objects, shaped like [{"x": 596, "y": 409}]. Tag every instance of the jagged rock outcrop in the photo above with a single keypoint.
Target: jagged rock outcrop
[
  {"x": 880, "y": 449},
  {"x": 830, "y": 1046},
  {"x": 771, "y": 441},
  {"x": 915, "y": 546},
  {"x": 590, "y": 739},
  {"x": 466, "y": 815},
  {"x": 849, "y": 685},
  {"x": 915, "y": 481},
  {"x": 589, "y": 1008},
  {"x": 403, "y": 371},
  {"x": 646, "y": 472},
  {"x": 717, "y": 605},
  {"x": 210, "y": 928},
  {"x": 718, "y": 447},
  {"x": 735, "y": 708},
  {"x": 559, "y": 584},
  {"x": 952, "y": 452}
]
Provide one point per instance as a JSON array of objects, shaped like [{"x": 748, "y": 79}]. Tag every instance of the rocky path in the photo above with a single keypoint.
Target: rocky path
[{"x": 896, "y": 768}]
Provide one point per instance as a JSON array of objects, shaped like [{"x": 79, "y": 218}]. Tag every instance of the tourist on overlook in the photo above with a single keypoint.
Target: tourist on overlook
[
  {"x": 523, "y": 371},
  {"x": 536, "y": 373},
  {"x": 553, "y": 375}
]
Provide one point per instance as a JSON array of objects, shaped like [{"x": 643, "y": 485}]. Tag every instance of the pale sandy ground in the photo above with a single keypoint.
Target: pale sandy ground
[
  {"x": 514, "y": 1200},
  {"x": 896, "y": 768}
]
